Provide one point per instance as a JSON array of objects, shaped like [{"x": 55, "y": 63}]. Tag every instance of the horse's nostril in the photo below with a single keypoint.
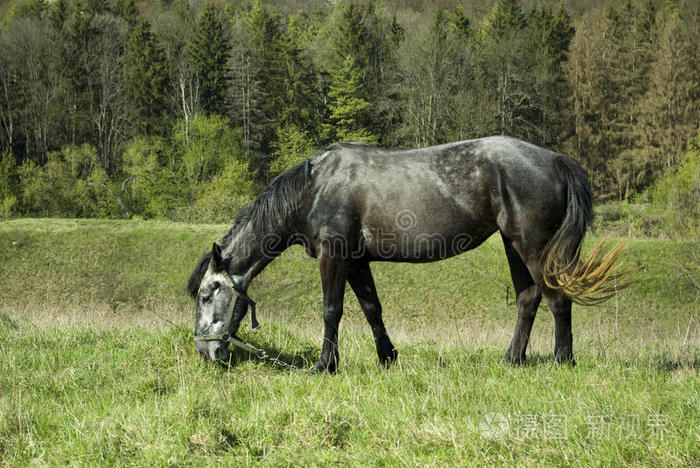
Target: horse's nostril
[{"x": 222, "y": 353}]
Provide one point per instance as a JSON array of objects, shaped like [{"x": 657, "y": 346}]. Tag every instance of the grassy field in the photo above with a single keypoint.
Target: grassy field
[{"x": 97, "y": 362}]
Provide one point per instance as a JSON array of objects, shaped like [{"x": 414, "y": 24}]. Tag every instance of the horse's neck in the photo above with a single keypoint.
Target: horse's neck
[{"x": 252, "y": 250}]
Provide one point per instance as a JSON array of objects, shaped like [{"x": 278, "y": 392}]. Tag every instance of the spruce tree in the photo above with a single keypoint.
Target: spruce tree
[
  {"x": 146, "y": 73},
  {"x": 350, "y": 111},
  {"x": 670, "y": 110},
  {"x": 128, "y": 10},
  {"x": 369, "y": 41},
  {"x": 303, "y": 104},
  {"x": 208, "y": 53},
  {"x": 505, "y": 20}
]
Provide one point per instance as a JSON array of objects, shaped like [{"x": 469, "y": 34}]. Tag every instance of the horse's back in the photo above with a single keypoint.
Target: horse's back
[{"x": 457, "y": 194}]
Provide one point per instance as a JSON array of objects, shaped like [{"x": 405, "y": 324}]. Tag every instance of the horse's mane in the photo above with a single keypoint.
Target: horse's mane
[
  {"x": 271, "y": 211},
  {"x": 197, "y": 275},
  {"x": 273, "y": 207},
  {"x": 276, "y": 203}
]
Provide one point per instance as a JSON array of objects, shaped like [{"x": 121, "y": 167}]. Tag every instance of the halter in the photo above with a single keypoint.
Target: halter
[{"x": 226, "y": 336}]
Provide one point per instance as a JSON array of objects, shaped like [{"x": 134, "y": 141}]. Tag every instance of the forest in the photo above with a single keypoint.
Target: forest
[{"x": 184, "y": 110}]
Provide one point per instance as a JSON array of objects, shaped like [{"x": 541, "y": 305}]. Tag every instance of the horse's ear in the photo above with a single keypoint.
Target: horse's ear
[{"x": 216, "y": 256}]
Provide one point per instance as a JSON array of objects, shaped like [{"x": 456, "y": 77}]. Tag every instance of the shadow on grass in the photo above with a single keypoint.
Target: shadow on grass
[
  {"x": 539, "y": 360},
  {"x": 543, "y": 359},
  {"x": 666, "y": 364},
  {"x": 276, "y": 358}
]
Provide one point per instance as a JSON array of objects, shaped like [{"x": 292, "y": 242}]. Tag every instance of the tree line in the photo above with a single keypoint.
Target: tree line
[{"x": 183, "y": 111}]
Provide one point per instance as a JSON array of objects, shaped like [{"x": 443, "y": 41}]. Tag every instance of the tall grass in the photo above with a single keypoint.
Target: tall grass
[{"x": 97, "y": 363}]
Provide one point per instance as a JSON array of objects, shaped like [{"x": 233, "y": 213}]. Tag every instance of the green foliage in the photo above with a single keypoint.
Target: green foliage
[
  {"x": 518, "y": 61},
  {"x": 8, "y": 184},
  {"x": 71, "y": 184},
  {"x": 275, "y": 83},
  {"x": 152, "y": 186},
  {"x": 34, "y": 8},
  {"x": 505, "y": 20},
  {"x": 260, "y": 82},
  {"x": 303, "y": 99},
  {"x": 612, "y": 83},
  {"x": 292, "y": 147},
  {"x": 165, "y": 179},
  {"x": 460, "y": 22},
  {"x": 8, "y": 174},
  {"x": 224, "y": 195},
  {"x": 669, "y": 110},
  {"x": 360, "y": 60},
  {"x": 437, "y": 81},
  {"x": 7, "y": 205},
  {"x": 612, "y": 78},
  {"x": 146, "y": 73},
  {"x": 208, "y": 53},
  {"x": 128, "y": 10},
  {"x": 679, "y": 193},
  {"x": 205, "y": 147},
  {"x": 349, "y": 111}
]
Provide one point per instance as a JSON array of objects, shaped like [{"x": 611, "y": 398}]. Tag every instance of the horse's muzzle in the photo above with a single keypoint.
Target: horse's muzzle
[{"x": 213, "y": 350}]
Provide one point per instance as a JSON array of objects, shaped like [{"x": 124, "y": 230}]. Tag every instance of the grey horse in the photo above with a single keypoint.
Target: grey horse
[{"x": 352, "y": 204}]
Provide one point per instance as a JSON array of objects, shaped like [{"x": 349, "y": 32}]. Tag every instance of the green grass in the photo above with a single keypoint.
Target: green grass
[{"x": 92, "y": 370}]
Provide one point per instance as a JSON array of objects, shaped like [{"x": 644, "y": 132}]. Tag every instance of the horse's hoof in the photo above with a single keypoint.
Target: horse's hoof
[
  {"x": 514, "y": 361},
  {"x": 386, "y": 360},
  {"x": 321, "y": 368},
  {"x": 565, "y": 360},
  {"x": 386, "y": 352}
]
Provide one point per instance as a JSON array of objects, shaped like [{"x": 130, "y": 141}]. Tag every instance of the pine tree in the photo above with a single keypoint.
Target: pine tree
[
  {"x": 58, "y": 14},
  {"x": 208, "y": 53},
  {"x": 352, "y": 38},
  {"x": 460, "y": 22},
  {"x": 548, "y": 36},
  {"x": 267, "y": 54},
  {"x": 147, "y": 79},
  {"x": 371, "y": 41},
  {"x": 256, "y": 96},
  {"x": 350, "y": 111},
  {"x": 274, "y": 85},
  {"x": 128, "y": 10},
  {"x": 630, "y": 31},
  {"x": 435, "y": 72},
  {"x": 670, "y": 109},
  {"x": 589, "y": 71},
  {"x": 505, "y": 20},
  {"x": 505, "y": 70},
  {"x": 303, "y": 105}
]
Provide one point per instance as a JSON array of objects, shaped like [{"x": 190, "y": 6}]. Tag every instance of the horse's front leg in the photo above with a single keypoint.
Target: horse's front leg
[{"x": 333, "y": 277}]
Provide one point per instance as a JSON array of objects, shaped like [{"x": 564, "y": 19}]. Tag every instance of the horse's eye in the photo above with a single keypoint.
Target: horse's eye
[
  {"x": 206, "y": 299},
  {"x": 216, "y": 285}
]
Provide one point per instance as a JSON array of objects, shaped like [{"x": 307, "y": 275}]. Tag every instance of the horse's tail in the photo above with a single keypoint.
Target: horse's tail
[{"x": 585, "y": 282}]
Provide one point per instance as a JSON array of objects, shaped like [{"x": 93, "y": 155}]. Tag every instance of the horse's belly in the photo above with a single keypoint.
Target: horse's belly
[{"x": 412, "y": 239}]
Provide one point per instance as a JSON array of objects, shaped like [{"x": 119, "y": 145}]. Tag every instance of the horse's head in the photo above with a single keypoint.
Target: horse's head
[{"x": 218, "y": 308}]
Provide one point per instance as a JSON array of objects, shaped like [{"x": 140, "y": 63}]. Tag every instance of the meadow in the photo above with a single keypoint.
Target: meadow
[{"x": 98, "y": 365}]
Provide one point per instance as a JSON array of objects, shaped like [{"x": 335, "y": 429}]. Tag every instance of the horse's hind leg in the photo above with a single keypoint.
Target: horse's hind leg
[
  {"x": 563, "y": 338},
  {"x": 528, "y": 297},
  {"x": 362, "y": 283}
]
